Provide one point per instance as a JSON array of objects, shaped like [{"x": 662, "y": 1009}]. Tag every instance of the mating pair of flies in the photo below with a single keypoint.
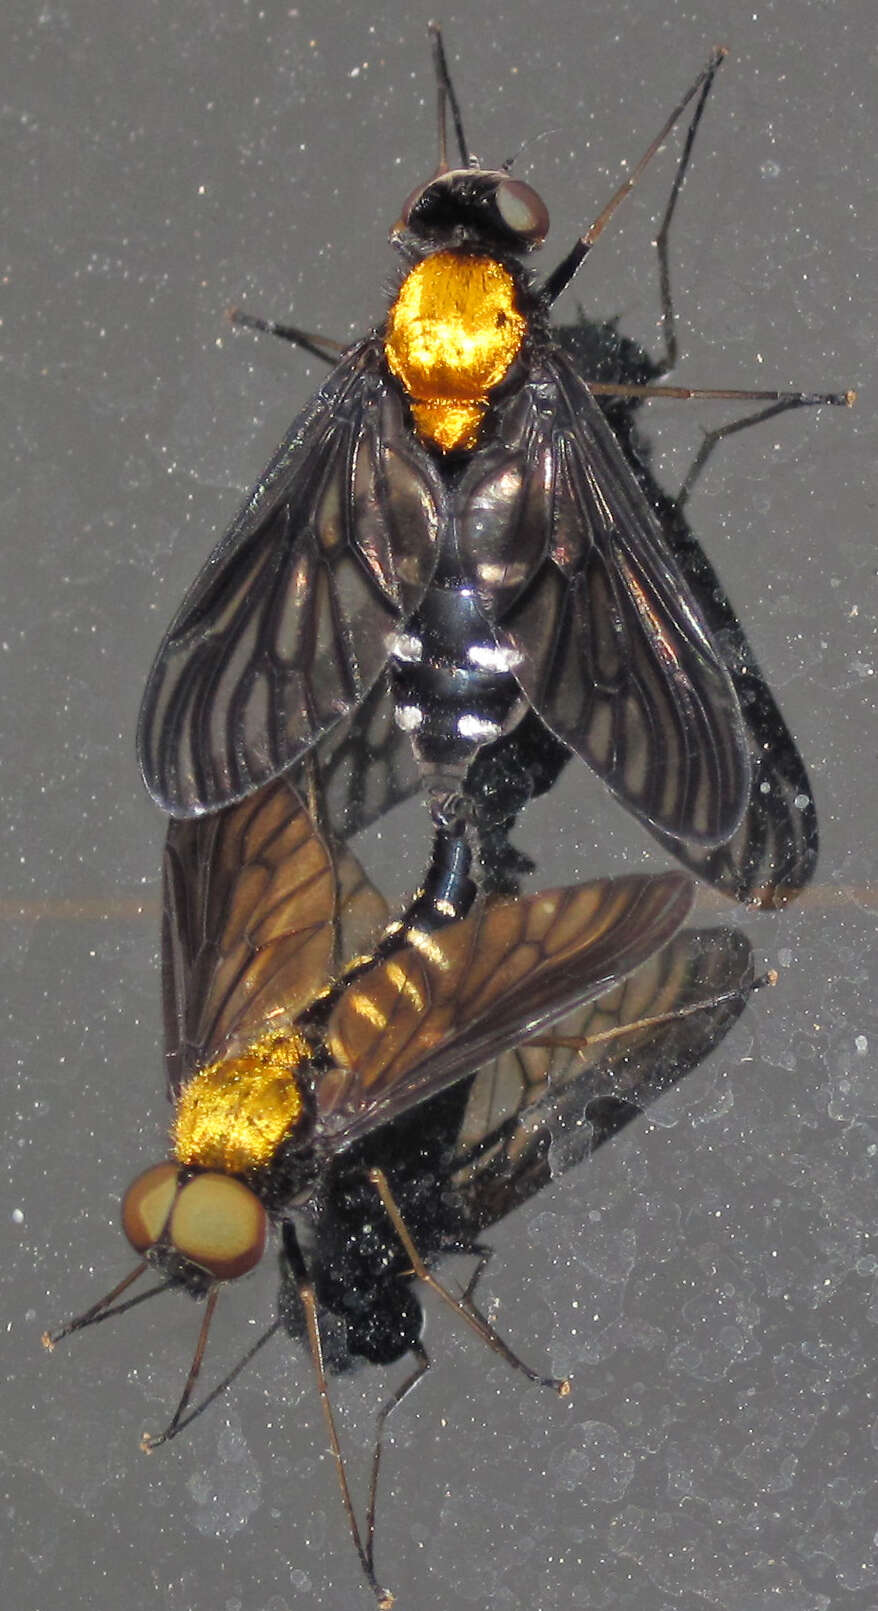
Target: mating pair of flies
[
  {"x": 452, "y": 510},
  {"x": 321, "y": 1065}
]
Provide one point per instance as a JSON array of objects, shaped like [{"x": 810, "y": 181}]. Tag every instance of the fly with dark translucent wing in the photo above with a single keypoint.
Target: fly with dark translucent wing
[
  {"x": 772, "y": 855},
  {"x": 453, "y": 502},
  {"x": 297, "y": 1033}
]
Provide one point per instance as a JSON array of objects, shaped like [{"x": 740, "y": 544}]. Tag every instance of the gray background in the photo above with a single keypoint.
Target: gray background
[{"x": 708, "y": 1277}]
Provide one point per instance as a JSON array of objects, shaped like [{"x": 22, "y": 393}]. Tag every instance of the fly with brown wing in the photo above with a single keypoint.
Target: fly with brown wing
[
  {"x": 304, "y": 1035},
  {"x": 454, "y": 504}
]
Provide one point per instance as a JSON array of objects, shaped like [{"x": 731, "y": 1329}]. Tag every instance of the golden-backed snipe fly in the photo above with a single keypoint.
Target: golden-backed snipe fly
[
  {"x": 297, "y": 1041},
  {"x": 452, "y": 500}
]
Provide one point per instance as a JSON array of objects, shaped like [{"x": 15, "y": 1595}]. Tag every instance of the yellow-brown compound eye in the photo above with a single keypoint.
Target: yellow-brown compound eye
[
  {"x": 219, "y": 1224},
  {"x": 147, "y": 1204}
]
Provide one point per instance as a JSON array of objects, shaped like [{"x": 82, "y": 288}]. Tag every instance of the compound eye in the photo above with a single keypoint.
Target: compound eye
[
  {"x": 219, "y": 1224},
  {"x": 522, "y": 211},
  {"x": 147, "y": 1204},
  {"x": 410, "y": 200}
]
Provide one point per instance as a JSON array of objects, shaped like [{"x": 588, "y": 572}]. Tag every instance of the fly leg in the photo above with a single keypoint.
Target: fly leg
[
  {"x": 462, "y": 1307},
  {"x": 308, "y": 1299},
  {"x": 563, "y": 274},
  {"x": 711, "y": 440},
  {"x": 422, "y": 1365},
  {"x": 322, "y": 347},
  {"x": 668, "y": 359}
]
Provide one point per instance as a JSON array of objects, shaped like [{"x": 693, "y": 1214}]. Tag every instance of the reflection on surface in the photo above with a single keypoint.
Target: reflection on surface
[{"x": 281, "y": 972}]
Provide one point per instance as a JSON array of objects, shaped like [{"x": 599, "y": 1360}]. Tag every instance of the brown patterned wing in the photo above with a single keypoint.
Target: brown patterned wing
[
  {"x": 539, "y": 1109},
  {"x": 258, "y": 913},
  {"x": 448, "y": 1001}
]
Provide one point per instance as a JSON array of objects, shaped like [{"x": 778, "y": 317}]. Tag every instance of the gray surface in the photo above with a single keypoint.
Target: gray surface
[{"x": 707, "y": 1278}]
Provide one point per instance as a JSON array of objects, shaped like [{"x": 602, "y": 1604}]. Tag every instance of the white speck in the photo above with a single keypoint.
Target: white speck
[
  {"x": 493, "y": 657},
  {"x": 406, "y": 646},
  {"x": 409, "y": 718},
  {"x": 861, "y": 1042},
  {"x": 17, "y": 1216},
  {"x": 801, "y": 801},
  {"x": 471, "y": 726}
]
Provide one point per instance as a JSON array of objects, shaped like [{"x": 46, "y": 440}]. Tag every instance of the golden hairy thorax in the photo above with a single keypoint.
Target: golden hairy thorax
[
  {"x": 452, "y": 334},
  {"x": 234, "y": 1114}
]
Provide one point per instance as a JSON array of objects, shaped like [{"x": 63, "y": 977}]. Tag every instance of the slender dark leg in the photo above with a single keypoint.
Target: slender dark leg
[
  {"x": 220, "y": 1388},
  {"x": 563, "y": 274},
  {"x": 464, "y": 1308},
  {"x": 662, "y": 240},
  {"x": 485, "y": 1254},
  {"x": 148, "y": 1443},
  {"x": 668, "y": 361},
  {"x": 712, "y": 440},
  {"x": 584, "y": 1043},
  {"x": 669, "y": 318},
  {"x": 309, "y": 1304},
  {"x": 421, "y": 1368},
  {"x": 735, "y": 394},
  {"x": 322, "y": 347},
  {"x": 106, "y": 1308}
]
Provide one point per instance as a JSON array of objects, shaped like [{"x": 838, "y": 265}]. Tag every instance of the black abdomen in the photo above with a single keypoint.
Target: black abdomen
[{"x": 453, "y": 685}]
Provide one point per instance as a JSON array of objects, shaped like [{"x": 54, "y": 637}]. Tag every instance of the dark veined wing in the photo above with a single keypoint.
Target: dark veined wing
[
  {"x": 366, "y": 765},
  {"x": 259, "y": 915},
  {"x": 540, "y": 1109},
  {"x": 286, "y": 627},
  {"x": 604, "y": 635},
  {"x": 448, "y": 1000},
  {"x": 772, "y": 854}
]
